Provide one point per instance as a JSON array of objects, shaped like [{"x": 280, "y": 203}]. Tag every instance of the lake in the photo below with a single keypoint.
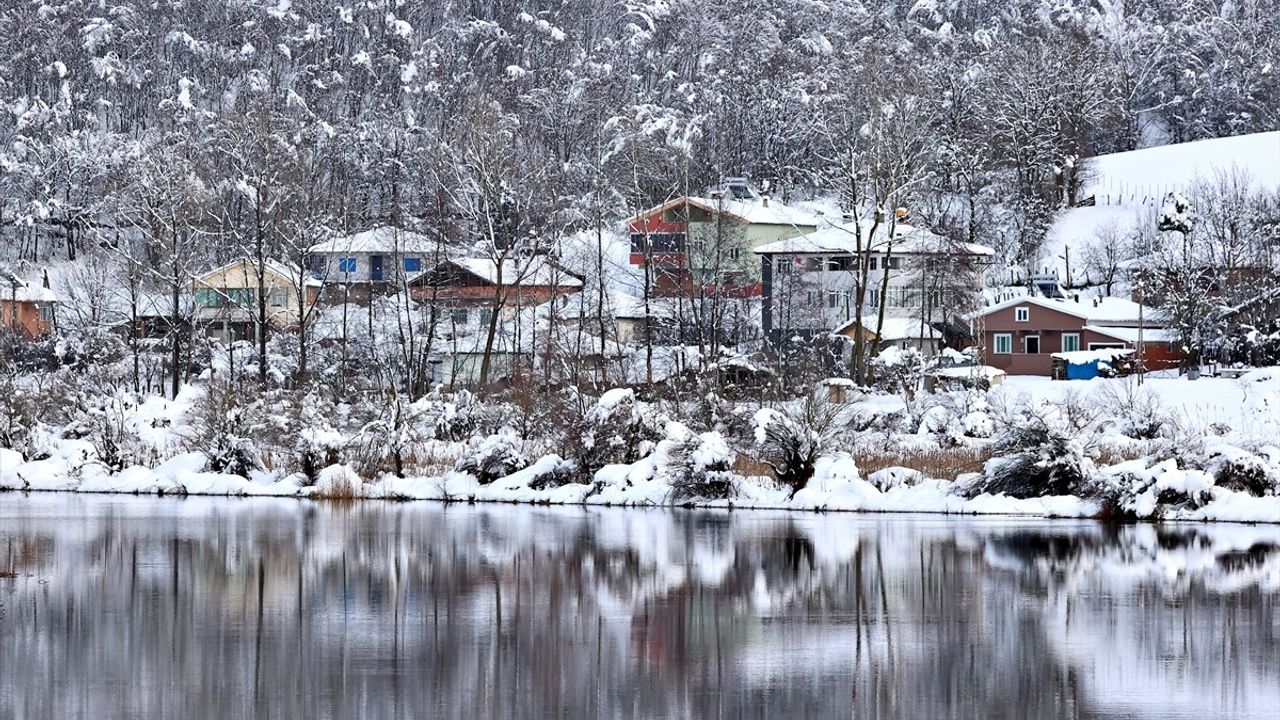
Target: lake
[{"x": 132, "y": 607}]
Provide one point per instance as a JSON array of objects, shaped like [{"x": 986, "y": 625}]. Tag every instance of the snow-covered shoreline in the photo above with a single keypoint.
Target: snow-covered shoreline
[{"x": 836, "y": 487}]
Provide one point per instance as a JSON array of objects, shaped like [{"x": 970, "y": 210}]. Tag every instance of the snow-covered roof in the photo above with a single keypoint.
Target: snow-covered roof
[
  {"x": 968, "y": 371},
  {"x": 616, "y": 302},
  {"x": 842, "y": 238},
  {"x": 756, "y": 211},
  {"x": 15, "y": 289},
  {"x": 1080, "y": 357},
  {"x": 1094, "y": 311},
  {"x": 286, "y": 270},
  {"x": 383, "y": 239},
  {"x": 1130, "y": 334},
  {"x": 894, "y": 329},
  {"x": 527, "y": 271}
]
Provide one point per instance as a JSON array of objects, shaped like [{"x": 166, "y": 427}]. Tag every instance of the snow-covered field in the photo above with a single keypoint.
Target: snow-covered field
[{"x": 1129, "y": 188}]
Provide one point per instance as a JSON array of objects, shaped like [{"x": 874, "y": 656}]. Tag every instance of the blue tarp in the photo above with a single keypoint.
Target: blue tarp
[{"x": 1083, "y": 371}]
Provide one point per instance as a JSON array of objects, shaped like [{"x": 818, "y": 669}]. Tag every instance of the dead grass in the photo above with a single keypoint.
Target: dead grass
[
  {"x": 942, "y": 463},
  {"x": 751, "y": 467}
]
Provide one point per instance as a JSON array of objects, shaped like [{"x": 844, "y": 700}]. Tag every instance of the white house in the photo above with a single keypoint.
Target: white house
[
  {"x": 811, "y": 282},
  {"x": 377, "y": 260}
]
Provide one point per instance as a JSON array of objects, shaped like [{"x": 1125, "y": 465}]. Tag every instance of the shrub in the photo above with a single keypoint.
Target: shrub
[
  {"x": 697, "y": 465},
  {"x": 1040, "y": 451},
  {"x": 494, "y": 457},
  {"x": 617, "y": 429},
  {"x": 1236, "y": 469},
  {"x": 790, "y": 441}
]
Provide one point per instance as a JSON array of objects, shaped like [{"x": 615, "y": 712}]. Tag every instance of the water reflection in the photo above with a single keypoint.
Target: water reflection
[{"x": 138, "y": 607}]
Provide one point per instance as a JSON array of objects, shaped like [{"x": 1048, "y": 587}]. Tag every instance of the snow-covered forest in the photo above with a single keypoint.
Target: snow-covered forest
[{"x": 144, "y": 145}]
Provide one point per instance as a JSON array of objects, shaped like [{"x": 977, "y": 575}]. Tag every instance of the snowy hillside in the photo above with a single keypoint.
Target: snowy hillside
[{"x": 1129, "y": 188}]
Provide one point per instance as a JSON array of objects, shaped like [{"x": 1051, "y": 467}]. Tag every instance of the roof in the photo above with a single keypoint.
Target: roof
[
  {"x": 15, "y": 289},
  {"x": 620, "y": 304},
  {"x": 894, "y": 329},
  {"x": 287, "y": 270},
  {"x": 843, "y": 238},
  {"x": 1080, "y": 357},
  {"x": 383, "y": 239},
  {"x": 1130, "y": 334},
  {"x": 1096, "y": 311},
  {"x": 755, "y": 211},
  {"x": 525, "y": 271}
]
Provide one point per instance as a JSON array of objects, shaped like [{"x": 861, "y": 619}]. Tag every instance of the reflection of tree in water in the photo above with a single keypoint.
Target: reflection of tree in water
[{"x": 296, "y": 610}]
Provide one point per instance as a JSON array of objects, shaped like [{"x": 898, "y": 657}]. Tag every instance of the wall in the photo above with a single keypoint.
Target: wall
[
  {"x": 25, "y": 316},
  {"x": 1047, "y": 323}
]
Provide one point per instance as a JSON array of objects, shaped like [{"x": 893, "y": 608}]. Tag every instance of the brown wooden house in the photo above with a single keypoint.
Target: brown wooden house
[
  {"x": 26, "y": 308},
  {"x": 1020, "y": 335},
  {"x": 472, "y": 288}
]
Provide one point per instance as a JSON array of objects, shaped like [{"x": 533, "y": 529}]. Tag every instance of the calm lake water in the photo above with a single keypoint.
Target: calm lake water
[{"x": 124, "y": 607}]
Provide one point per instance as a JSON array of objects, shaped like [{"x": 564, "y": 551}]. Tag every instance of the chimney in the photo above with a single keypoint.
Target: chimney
[{"x": 764, "y": 200}]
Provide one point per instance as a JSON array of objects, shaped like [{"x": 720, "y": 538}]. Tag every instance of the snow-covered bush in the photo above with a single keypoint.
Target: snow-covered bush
[
  {"x": 552, "y": 471},
  {"x": 617, "y": 429},
  {"x": 892, "y": 477},
  {"x": 899, "y": 370},
  {"x": 697, "y": 465},
  {"x": 1039, "y": 451},
  {"x": 338, "y": 482},
  {"x": 790, "y": 440},
  {"x": 222, "y": 424},
  {"x": 493, "y": 457},
  {"x": 1242, "y": 471}
]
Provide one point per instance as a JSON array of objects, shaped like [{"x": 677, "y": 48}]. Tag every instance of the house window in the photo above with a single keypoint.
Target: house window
[
  {"x": 240, "y": 297},
  {"x": 346, "y": 265},
  {"x": 46, "y": 313},
  {"x": 893, "y": 263},
  {"x": 735, "y": 253},
  {"x": 459, "y": 316},
  {"x": 315, "y": 263},
  {"x": 486, "y": 315},
  {"x": 1070, "y": 342},
  {"x": 811, "y": 297},
  {"x": 1003, "y": 344},
  {"x": 873, "y": 298},
  {"x": 783, "y": 266},
  {"x": 208, "y": 298},
  {"x": 874, "y": 263},
  {"x": 1022, "y": 314},
  {"x": 839, "y": 264},
  {"x": 277, "y": 298},
  {"x": 1033, "y": 344},
  {"x": 413, "y": 264}
]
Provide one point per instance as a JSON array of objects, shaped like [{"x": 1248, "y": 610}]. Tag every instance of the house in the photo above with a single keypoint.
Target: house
[
  {"x": 691, "y": 241},
  {"x": 355, "y": 267},
  {"x": 25, "y": 308},
  {"x": 226, "y": 298},
  {"x": 471, "y": 288},
  {"x": 1020, "y": 335},
  {"x": 810, "y": 285}
]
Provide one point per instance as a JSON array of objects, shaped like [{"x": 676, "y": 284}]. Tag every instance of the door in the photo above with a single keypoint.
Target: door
[
  {"x": 375, "y": 268},
  {"x": 1033, "y": 344}
]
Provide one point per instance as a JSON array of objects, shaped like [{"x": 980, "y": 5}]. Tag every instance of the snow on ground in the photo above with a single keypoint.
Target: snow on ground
[
  {"x": 1247, "y": 405},
  {"x": 1130, "y": 187}
]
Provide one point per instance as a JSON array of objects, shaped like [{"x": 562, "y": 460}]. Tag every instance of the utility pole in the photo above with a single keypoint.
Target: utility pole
[{"x": 1142, "y": 364}]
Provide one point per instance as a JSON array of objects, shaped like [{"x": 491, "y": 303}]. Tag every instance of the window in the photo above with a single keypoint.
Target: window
[
  {"x": 315, "y": 263},
  {"x": 783, "y": 266},
  {"x": 874, "y": 263},
  {"x": 459, "y": 316},
  {"x": 413, "y": 264},
  {"x": 1070, "y": 342},
  {"x": 1022, "y": 314},
  {"x": 873, "y": 298},
  {"x": 658, "y": 242},
  {"x": 208, "y": 298},
  {"x": 839, "y": 264},
  {"x": 1033, "y": 344},
  {"x": 1003, "y": 344},
  {"x": 46, "y": 313},
  {"x": 346, "y": 265},
  {"x": 240, "y": 297},
  {"x": 277, "y": 298},
  {"x": 486, "y": 315},
  {"x": 735, "y": 253},
  {"x": 893, "y": 263}
]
